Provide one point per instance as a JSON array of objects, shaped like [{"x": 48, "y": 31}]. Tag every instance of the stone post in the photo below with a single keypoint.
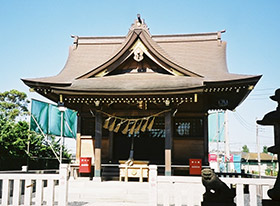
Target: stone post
[
  {"x": 153, "y": 185},
  {"x": 63, "y": 185}
]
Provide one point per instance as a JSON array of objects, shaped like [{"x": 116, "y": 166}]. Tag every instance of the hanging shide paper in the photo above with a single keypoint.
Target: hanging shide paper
[
  {"x": 111, "y": 127},
  {"x": 118, "y": 127},
  {"x": 138, "y": 127},
  {"x": 132, "y": 128},
  {"x": 151, "y": 124},
  {"x": 143, "y": 129},
  {"x": 135, "y": 128},
  {"x": 106, "y": 123},
  {"x": 125, "y": 130}
]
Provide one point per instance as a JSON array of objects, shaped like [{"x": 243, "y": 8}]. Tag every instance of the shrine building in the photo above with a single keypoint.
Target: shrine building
[{"x": 145, "y": 93}]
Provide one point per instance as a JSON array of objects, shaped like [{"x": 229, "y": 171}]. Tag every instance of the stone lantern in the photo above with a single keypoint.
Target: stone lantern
[{"x": 273, "y": 119}]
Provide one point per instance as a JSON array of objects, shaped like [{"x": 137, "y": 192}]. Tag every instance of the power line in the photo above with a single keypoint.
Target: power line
[
  {"x": 249, "y": 124},
  {"x": 262, "y": 94},
  {"x": 265, "y": 89},
  {"x": 256, "y": 99},
  {"x": 243, "y": 122}
]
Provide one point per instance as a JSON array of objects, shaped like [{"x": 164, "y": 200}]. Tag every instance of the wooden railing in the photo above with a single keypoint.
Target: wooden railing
[
  {"x": 23, "y": 189},
  {"x": 187, "y": 190}
]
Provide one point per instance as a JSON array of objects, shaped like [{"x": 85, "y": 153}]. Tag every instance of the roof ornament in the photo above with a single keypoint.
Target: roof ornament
[
  {"x": 139, "y": 24},
  {"x": 138, "y": 54},
  {"x": 139, "y": 19}
]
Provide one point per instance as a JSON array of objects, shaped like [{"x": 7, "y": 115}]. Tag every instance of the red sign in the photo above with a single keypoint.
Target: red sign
[
  {"x": 230, "y": 158},
  {"x": 85, "y": 165},
  {"x": 195, "y": 166},
  {"x": 212, "y": 158}
]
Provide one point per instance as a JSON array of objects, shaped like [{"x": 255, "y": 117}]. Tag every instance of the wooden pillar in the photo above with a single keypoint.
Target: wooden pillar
[
  {"x": 168, "y": 142},
  {"x": 78, "y": 139},
  {"x": 111, "y": 143},
  {"x": 206, "y": 141},
  {"x": 98, "y": 138}
]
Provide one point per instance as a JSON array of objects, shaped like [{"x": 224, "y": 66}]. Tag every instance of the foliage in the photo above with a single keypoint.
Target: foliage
[
  {"x": 245, "y": 148},
  {"x": 265, "y": 149},
  {"x": 15, "y": 137},
  {"x": 270, "y": 172},
  {"x": 13, "y": 104}
]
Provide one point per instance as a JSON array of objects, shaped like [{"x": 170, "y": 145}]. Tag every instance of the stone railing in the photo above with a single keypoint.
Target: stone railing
[
  {"x": 188, "y": 190},
  {"x": 25, "y": 189}
]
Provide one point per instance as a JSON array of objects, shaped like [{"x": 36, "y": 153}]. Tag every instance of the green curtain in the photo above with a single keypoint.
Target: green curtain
[
  {"x": 215, "y": 125},
  {"x": 39, "y": 111},
  {"x": 54, "y": 120},
  {"x": 48, "y": 117},
  {"x": 70, "y": 123}
]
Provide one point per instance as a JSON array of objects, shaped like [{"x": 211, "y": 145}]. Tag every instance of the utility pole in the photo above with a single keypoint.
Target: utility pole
[
  {"x": 218, "y": 135},
  {"x": 227, "y": 151},
  {"x": 258, "y": 149}
]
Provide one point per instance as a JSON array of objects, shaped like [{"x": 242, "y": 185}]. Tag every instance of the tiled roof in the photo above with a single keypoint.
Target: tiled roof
[{"x": 203, "y": 55}]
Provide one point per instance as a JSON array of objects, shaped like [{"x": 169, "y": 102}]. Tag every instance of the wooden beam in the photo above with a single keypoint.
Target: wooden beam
[{"x": 111, "y": 143}]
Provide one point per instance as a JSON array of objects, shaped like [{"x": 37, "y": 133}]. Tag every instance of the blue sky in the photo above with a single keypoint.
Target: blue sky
[{"x": 35, "y": 36}]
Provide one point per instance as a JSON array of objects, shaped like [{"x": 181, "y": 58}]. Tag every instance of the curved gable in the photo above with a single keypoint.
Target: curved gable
[{"x": 139, "y": 44}]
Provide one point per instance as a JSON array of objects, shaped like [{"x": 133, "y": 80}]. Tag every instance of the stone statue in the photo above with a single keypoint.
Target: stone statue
[
  {"x": 273, "y": 118},
  {"x": 217, "y": 192}
]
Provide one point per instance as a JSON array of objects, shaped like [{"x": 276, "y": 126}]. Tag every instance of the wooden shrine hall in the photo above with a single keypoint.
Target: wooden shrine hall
[{"x": 145, "y": 97}]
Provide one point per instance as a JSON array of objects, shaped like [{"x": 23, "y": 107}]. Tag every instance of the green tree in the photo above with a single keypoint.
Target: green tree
[
  {"x": 13, "y": 104},
  {"x": 15, "y": 137},
  {"x": 265, "y": 149},
  {"x": 245, "y": 148}
]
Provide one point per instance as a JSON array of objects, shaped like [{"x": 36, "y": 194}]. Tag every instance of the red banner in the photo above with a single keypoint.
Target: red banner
[{"x": 212, "y": 158}]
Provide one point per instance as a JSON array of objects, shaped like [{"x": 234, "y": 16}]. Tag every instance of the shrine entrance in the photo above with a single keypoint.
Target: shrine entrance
[{"x": 148, "y": 146}]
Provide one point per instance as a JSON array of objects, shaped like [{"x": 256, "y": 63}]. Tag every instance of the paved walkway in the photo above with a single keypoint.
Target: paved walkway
[{"x": 83, "y": 192}]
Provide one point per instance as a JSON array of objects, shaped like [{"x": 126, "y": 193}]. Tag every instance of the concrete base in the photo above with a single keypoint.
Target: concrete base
[
  {"x": 218, "y": 204},
  {"x": 270, "y": 203}
]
